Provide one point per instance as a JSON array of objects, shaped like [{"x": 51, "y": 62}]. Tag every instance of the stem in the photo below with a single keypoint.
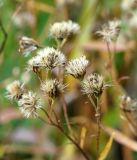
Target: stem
[
  {"x": 126, "y": 111},
  {"x": 58, "y": 126},
  {"x": 62, "y": 43},
  {"x": 46, "y": 113},
  {"x": 115, "y": 47},
  {"x": 74, "y": 142},
  {"x": 43, "y": 120},
  {"x": 92, "y": 102},
  {"x": 110, "y": 59},
  {"x": 56, "y": 117},
  {"x": 65, "y": 113},
  {"x": 98, "y": 119},
  {"x": 109, "y": 52}
]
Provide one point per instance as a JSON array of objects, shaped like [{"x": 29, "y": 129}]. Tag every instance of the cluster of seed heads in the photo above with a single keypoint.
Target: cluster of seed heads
[
  {"x": 47, "y": 59},
  {"x": 27, "y": 100}
]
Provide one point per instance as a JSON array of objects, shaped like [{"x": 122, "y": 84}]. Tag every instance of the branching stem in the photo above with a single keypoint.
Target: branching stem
[{"x": 58, "y": 126}]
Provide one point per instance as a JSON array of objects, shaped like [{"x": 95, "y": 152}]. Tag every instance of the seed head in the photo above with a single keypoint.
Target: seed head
[
  {"x": 29, "y": 103},
  {"x": 52, "y": 88},
  {"x": 27, "y": 45},
  {"x": 125, "y": 99},
  {"x": 77, "y": 67},
  {"x": 133, "y": 20},
  {"x": 61, "y": 30},
  {"x": 34, "y": 63},
  {"x": 93, "y": 85},
  {"x": 15, "y": 90},
  {"x": 47, "y": 58},
  {"x": 110, "y": 31},
  {"x": 128, "y": 104},
  {"x": 127, "y": 5}
]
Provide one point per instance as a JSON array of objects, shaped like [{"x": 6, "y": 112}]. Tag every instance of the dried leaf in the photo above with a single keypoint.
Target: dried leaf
[
  {"x": 101, "y": 46},
  {"x": 82, "y": 136},
  {"x": 107, "y": 148},
  {"x": 121, "y": 138}
]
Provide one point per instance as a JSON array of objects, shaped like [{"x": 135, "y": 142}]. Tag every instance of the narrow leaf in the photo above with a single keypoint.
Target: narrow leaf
[
  {"x": 82, "y": 136},
  {"x": 107, "y": 148}
]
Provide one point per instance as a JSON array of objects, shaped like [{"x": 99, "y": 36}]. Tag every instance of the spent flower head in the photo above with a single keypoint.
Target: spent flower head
[
  {"x": 93, "y": 85},
  {"x": 127, "y": 5},
  {"x": 110, "y": 31},
  {"x": 52, "y": 87},
  {"x": 34, "y": 63},
  {"x": 133, "y": 20},
  {"x": 15, "y": 90},
  {"x": 77, "y": 67},
  {"x": 128, "y": 104},
  {"x": 64, "y": 29},
  {"x": 29, "y": 103},
  {"x": 48, "y": 58},
  {"x": 27, "y": 45}
]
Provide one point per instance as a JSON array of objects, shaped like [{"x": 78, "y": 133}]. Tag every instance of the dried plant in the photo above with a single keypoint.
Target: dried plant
[
  {"x": 53, "y": 87},
  {"x": 77, "y": 85}
]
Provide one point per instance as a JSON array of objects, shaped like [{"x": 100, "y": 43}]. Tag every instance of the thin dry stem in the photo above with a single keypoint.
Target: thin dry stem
[
  {"x": 126, "y": 111},
  {"x": 98, "y": 118},
  {"x": 110, "y": 60},
  {"x": 65, "y": 113},
  {"x": 58, "y": 126},
  {"x": 62, "y": 43}
]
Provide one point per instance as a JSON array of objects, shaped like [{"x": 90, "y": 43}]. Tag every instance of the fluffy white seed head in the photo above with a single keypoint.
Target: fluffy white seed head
[
  {"x": 15, "y": 90},
  {"x": 47, "y": 58},
  {"x": 93, "y": 85},
  {"x": 133, "y": 20},
  {"x": 77, "y": 67},
  {"x": 127, "y": 5},
  {"x": 125, "y": 99},
  {"x": 29, "y": 103},
  {"x": 64, "y": 29},
  {"x": 110, "y": 31},
  {"x": 34, "y": 63},
  {"x": 27, "y": 45},
  {"x": 52, "y": 88},
  {"x": 129, "y": 105}
]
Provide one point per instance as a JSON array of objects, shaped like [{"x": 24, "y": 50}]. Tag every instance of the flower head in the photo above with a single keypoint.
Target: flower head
[
  {"x": 15, "y": 90},
  {"x": 127, "y": 5},
  {"x": 34, "y": 63},
  {"x": 128, "y": 104},
  {"x": 110, "y": 31},
  {"x": 29, "y": 103},
  {"x": 47, "y": 58},
  {"x": 61, "y": 30},
  {"x": 52, "y": 88},
  {"x": 27, "y": 45},
  {"x": 133, "y": 20},
  {"x": 77, "y": 67},
  {"x": 93, "y": 85}
]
